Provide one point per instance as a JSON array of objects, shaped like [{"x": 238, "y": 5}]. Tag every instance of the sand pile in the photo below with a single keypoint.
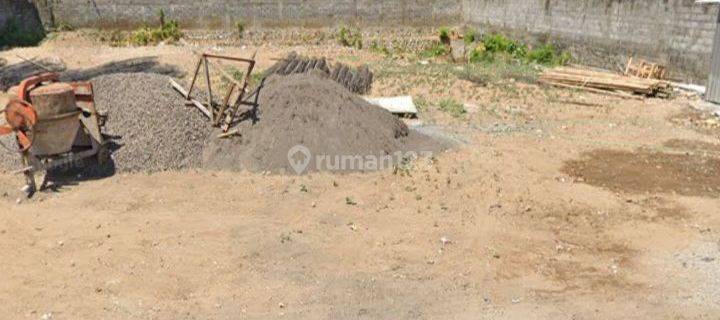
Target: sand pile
[
  {"x": 155, "y": 130},
  {"x": 315, "y": 112}
]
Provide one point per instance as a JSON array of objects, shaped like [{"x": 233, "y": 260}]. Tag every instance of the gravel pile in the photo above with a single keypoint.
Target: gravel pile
[
  {"x": 316, "y": 112},
  {"x": 152, "y": 129},
  {"x": 9, "y": 161},
  {"x": 155, "y": 130}
]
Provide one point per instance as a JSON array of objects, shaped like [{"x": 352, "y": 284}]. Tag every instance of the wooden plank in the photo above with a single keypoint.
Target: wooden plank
[
  {"x": 195, "y": 75},
  {"x": 612, "y": 93},
  {"x": 194, "y": 102},
  {"x": 209, "y": 85}
]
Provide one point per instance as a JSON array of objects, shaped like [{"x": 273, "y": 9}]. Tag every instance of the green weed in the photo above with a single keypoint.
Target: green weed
[
  {"x": 380, "y": 49},
  {"x": 548, "y": 55},
  {"x": 421, "y": 103},
  {"x": 470, "y": 36},
  {"x": 444, "y": 35},
  {"x": 452, "y": 107},
  {"x": 499, "y": 48},
  {"x": 167, "y": 31},
  {"x": 498, "y": 44},
  {"x": 436, "y": 50},
  {"x": 350, "y": 37},
  {"x": 240, "y": 28}
]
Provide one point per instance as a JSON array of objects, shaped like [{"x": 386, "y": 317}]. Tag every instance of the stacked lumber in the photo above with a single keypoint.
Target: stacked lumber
[{"x": 605, "y": 82}]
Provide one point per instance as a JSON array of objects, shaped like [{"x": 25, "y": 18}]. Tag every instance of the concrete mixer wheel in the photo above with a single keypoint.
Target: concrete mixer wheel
[{"x": 103, "y": 156}]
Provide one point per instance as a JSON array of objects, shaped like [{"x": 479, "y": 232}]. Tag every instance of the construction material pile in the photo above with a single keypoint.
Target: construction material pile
[
  {"x": 154, "y": 129},
  {"x": 605, "y": 82},
  {"x": 358, "y": 80},
  {"x": 317, "y": 113}
]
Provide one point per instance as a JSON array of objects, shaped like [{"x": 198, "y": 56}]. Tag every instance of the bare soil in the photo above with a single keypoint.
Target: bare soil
[
  {"x": 649, "y": 172},
  {"x": 560, "y": 204}
]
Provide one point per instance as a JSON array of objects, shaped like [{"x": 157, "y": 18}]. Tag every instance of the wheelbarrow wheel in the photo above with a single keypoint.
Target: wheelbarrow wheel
[{"x": 103, "y": 156}]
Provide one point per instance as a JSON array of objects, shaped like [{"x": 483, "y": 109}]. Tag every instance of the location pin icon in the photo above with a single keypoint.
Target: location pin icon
[{"x": 299, "y": 158}]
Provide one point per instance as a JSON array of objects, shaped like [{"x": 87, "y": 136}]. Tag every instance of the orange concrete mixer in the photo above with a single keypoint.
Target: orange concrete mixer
[{"x": 55, "y": 124}]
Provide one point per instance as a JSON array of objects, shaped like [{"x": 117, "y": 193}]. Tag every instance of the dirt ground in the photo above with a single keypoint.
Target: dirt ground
[{"x": 559, "y": 205}]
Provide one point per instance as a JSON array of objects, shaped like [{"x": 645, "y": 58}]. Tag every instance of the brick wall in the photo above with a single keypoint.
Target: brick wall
[{"x": 678, "y": 33}]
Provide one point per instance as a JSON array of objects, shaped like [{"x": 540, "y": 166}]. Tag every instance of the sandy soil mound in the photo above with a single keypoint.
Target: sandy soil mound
[
  {"x": 317, "y": 113},
  {"x": 156, "y": 131}
]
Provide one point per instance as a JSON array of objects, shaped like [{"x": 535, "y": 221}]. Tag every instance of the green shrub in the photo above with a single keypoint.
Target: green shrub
[
  {"x": 380, "y": 49},
  {"x": 497, "y": 47},
  {"x": 167, "y": 31},
  {"x": 162, "y": 17},
  {"x": 470, "y": 36},
  {"x": 544, "y": 54},
  {"x": 548, "y": 55},
  {"x": 240, "y": 28},
  {"x": 436, "y": 50},
  {"x": 479, "y": 54},
  {"x": 454, "y": 108},
  {"x": 444, "y": 35},
  {"x": 564, "y": 58},
  {"x": 349, "y": 37},
  {"x": 498, "y": 43}
]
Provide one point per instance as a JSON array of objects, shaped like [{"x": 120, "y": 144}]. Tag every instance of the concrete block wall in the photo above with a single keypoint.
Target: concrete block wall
[
  {"x": 678, "y": 33},
  {"x": 224, "y": 13}
]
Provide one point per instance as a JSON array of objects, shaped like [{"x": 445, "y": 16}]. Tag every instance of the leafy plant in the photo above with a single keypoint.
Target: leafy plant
[
  {"x": 498, "y": 43},
  {"x": 470, "y": 36},
  {"x": 454, "y": 108},
  {"x": 436, "y": 50},
  {"x": 548, "y": 55},
  {"x": 380, "y": 49},
  {"x": 444, "y": 35},
  {"x": 564, "y": 58},
  {"x": 240, "y": 28},
  {"x": 499, "y": 48},
  {"x": 350, "y": 37},
  {"x": 167, "y": 31},
  {"x": 478, "y": 54}
]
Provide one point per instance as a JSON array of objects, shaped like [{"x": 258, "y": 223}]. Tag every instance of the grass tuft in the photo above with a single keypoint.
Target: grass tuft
[
  {"x": 349, "y": 37},
  {"x": 452, "y": 107}
]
